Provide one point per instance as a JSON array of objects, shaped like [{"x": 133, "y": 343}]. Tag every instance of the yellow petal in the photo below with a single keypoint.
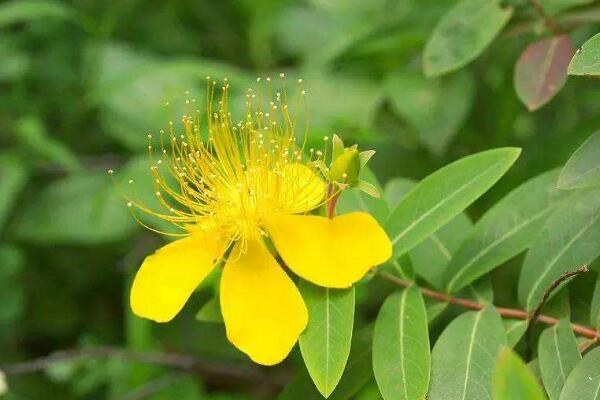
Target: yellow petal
[
  {"x": 330, "y": 252},
  {"x": 168, "y": 277},
  {"x": 301, "y": 189},
  {"x": 263, "y": 311}
]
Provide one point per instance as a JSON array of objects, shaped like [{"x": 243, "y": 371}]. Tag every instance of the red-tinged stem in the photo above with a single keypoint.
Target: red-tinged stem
[{"x": 505, "y": 312}]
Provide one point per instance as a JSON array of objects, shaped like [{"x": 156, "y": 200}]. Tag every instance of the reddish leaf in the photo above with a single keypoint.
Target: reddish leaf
[{"x": 541, "y": 71}]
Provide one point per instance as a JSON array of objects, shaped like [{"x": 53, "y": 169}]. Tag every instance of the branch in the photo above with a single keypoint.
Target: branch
[
  {"x": 505, "y": 312},
  {"x": 567, "y": 275},
  {"x": 211, "y": 370},
  {"x": 548, "y": 20}
]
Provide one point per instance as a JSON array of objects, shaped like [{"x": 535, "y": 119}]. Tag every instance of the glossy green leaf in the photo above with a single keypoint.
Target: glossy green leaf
[
  {"x": 424, "y": 104},
  {"x": 13, "y": 175},
  {"x": 464, "y": 355},
  {"x": 359, "y": 367},
  {"x": 583, "y": 168},
  {"x": 512, "y": 380},
  {"x": 396, "y": 189},
  {"x": 541, "y": 70},
  {"x": 558, "y": 354},
  {"x": 325, "y": 344},
  {"x": 462, "y": 34},
  {"x": 357, "y": 200},
  {"x": 583, "y": 382},
  {"x": 480, "y": 291},
  {"x": 515, "y": 329},
  {"x": 507, "y": 229},
  {"x": 431, "y": 257},
  {"x": 587, "y": 59},
  {"x": 569, "y": 239},
  {"x": 438, "y": 198},
  {"x": 401, "y": 356}
]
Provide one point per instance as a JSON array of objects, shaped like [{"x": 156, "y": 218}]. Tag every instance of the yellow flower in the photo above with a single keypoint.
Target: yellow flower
[{"x": 237, "y": 191}]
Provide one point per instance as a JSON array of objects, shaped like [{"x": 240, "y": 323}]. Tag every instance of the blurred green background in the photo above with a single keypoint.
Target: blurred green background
[{"x": 81, "y": 84}]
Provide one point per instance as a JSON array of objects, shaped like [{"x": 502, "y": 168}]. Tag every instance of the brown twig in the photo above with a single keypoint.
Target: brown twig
[
  {"x": 505, "y": 312},
  {"x": 552, "y": 288},
  {"x": 548, "y": 20},
  {"x": 211, "y": 370},
  {"x": 547, "y": 293}
]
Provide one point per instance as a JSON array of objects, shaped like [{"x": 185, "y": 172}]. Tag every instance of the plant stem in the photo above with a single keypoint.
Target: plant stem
[
  {"x": 212, "y": 371},
  {"x": 548, "y": 20},
  {"x": 505, "y": 312}
]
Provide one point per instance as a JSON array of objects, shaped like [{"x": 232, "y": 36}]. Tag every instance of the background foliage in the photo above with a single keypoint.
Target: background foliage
[{"x": 423, "y": 82}]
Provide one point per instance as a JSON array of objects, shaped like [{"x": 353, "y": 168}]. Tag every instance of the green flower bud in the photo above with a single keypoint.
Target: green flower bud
[{"x": 346, "y": 167}]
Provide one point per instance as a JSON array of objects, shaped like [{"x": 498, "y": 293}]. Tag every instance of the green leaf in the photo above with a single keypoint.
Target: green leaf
[
  {"x": 34, "y": 137},
  {"x": 583, "y": 168},
  {"x": 431, "y": 257},
  {"x": 584, "y": 381},
  {"x": 401, "y": 358},
  {"x": 595, "y": 308},
  {"x": 80, "y": 209},
  {"x": 369, "y": 392},
  {"x": 441, "y": 196},
  {"x": 541, "y": 70},
  {"x": 357, "y": 200},
  {"x": 504, "y": 231},
  {"x": 325, "y": 344},
  {"x": 587, "y": 59},
  {"x": 569, "y": 239},
  {"x": 396, "y": 189},
  {"x": 515, "y": 329},
  {"x": 210, "y": 311},
  {"x": 359, "y": 367},
  {"x": 512, "y": 380},
  {"x": 424, "y": 104},
  {"x": 13, "y": 175},
  {"x": 464, "y": 355},
  {"x": 558, "y": 354},
  {"x": 462, "y": 34},
  {"x": 17, "y": 11}
]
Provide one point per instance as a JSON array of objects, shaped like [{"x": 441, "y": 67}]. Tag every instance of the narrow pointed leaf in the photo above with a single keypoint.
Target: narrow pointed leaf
[
  {"x": 438, "y": 198},
  {"x": 569, "y": 239},
  {"x": 515, "y": 329},
  {"x": 463, "y": 357},
  {"x": 325, "y": 344},
  {"x": 583, "y": 168},
  {"x": 541, "y": 70},
  {"x": 462, "y": 34},
  {"x": 558, "y": 354},
  {"x": 505, "y": 230},
  {"x": 584, "y": 381},
  {"x": 431, "y": 257},
  {"x": 401, "y": 358},
  {"x": 512, "y": 379},
  {"x": 587, "y": 59}
]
